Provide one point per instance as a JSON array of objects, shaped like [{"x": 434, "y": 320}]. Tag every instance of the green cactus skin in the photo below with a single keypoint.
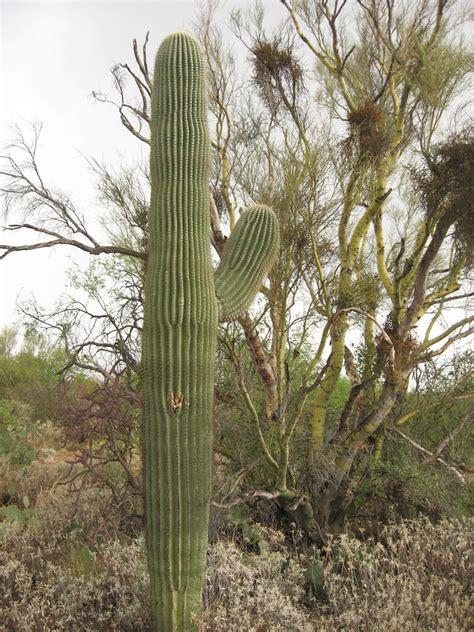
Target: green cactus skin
[
  {"x": 180, "y": 329},
  {"x": 244, "y": 262}
]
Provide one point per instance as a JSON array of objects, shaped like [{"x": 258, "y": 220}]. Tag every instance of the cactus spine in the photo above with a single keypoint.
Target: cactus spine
[{"x": 182, "y": 307}]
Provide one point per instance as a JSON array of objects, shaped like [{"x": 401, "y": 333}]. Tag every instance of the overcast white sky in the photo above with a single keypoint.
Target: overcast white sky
[{"x": 52, "y": 55}]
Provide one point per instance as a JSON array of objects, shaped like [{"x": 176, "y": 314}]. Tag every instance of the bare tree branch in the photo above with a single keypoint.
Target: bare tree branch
[{"x": 43, "y": 210}]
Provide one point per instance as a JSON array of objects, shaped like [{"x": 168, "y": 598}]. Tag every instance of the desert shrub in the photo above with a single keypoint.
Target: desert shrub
[
  {"x": 32, "y": 455},
  {"x": 254, "y": 591},
  {"x": 16, "y": 433},
  {"x": 417, "y": 577},
  {"x": 34, "y": 375},
  {"x": 99, "y": 427},
  {"x": 69, "y": 569},
  {"x": 99, "y": 590},
  {"x": 416, "y": 488},
  {"x": 402, "y": 486},
  {"x": 16, "y": 452}
]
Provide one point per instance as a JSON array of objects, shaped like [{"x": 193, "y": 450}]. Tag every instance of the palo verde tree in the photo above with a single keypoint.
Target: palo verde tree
[{"x": 375, "y": 211}]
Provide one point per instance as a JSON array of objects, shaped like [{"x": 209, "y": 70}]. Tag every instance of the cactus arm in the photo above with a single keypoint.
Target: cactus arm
[{"x": 247, "y": 258}]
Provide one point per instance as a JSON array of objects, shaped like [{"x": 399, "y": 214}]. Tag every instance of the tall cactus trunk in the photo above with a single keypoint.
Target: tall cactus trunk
[
  {"x": 179, "y": 336},
  {"x": 183, "y": 302}
]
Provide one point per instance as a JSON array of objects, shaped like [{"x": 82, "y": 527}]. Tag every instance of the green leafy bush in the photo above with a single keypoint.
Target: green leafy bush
[{"x": 16, "y": 432}]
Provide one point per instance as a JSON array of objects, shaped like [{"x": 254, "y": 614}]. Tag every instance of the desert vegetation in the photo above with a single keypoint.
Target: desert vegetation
[
  {"x": 69, "y": 561},
  {"x": 343, "y": 397}
]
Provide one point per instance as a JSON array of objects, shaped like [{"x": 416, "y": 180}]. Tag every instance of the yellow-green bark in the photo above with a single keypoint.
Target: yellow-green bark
[{"x": 323, "y": 392}]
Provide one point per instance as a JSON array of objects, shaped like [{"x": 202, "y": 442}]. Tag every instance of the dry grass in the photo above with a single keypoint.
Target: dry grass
[
  {"x": 417, "y": 577},
  {"x": 69, "y": 568},
  {"x": 66, "y": 569},
  {"x": 256, "y": 592}
]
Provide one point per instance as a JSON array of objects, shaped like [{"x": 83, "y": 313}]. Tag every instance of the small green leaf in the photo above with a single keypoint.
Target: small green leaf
[
  {"x": 315, "y": 573},
  {"x": 13, "y": 514},
  {"x": 72, "y": 526},
  {"x": 30, "y": 455},
  {"x": 84, "y": 555},
  {"x": 26, "y": 501},
  {"x": 251, "y": 535}
]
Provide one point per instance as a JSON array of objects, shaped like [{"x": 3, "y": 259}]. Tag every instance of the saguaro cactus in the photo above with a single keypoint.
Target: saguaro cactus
[{"x": 182, "y": 306}]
